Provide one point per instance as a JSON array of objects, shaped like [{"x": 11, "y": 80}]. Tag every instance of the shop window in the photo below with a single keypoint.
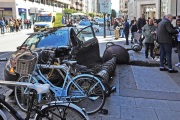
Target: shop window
[
  {"x": 52, "y": 3},
  {"x": 38, "y": 1},
  {"x": 42, "y": 1},
  {"x": 48, "y": 2}
]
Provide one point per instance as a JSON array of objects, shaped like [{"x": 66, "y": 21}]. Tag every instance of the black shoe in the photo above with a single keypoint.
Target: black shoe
[
  {"x": 172, "y": 71},
  {"x": 132, "y": 42},
  {"x": 163, "y": 69},
  {"x": 115, "y": 38},
  {"x": 146, "y": 56}
]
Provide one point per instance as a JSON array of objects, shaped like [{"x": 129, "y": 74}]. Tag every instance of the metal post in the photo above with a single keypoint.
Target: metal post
[
  {"x": 104, "y": 26},
  {"x": 110, "y": 24}
]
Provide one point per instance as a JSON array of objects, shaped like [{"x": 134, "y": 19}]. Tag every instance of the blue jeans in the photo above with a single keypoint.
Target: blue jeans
[
  {"x": 2, "y": 30},
  {"x": 166, "y": 49},
  {"x": 11, "y": 29},
  {"x": 132, "y": 36}
]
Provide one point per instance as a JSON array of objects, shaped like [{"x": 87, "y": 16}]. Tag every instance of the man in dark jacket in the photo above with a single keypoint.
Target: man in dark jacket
[
  {"x": 126, "y": 30},
  {"x": 116, "y": 24},
  {"x": 164, "y": 38},
  {"x": 140, "y": 24}
]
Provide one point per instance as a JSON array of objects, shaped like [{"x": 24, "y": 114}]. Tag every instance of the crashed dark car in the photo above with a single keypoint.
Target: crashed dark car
[{"x": 67, "y": 41}]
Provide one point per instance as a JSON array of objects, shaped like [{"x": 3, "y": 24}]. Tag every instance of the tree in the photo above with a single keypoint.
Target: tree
[
  {"x": 91, "y": 15},
  {"x": 68, "y": 11},
  {"x": 113, "y": 13}
]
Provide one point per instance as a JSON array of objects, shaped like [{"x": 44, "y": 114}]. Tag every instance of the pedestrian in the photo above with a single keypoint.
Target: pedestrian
[
  {"x": 25, "y": 24},
  {"x": 115, "y": 27},
  {"x": 121, "y": 27},
  {"x": 164, "y": 38},
  {"x": 133, "y": 30},
  {"x": 7, "y": 25},
  {"x": 108, "y": 24},
  {"x": 148, "y": 32},
  {"x": 19, "y": 21},
  {"x": 132, "y": 22},
  {"x": 2, "y": 25},
  {"x": 16, "y": 25},
  {"x": 11, "y": 23},
  {"x": 30, "y": 23},
  {"x": 126, "y": 31},
  {"x": 178, "y": 38},
  {"x": 119, "y": 21},
  {"x": 156, "y": 45},
  {"x": 140, "y": 24}
]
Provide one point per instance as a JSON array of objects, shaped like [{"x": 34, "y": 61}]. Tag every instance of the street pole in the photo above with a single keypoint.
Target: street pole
[
  {"x": 110, "y": 24},
  {"x": 104, "y": 26}
]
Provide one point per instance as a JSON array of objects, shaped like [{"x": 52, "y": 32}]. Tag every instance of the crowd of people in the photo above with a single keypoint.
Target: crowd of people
[
  {"x": 159, "y": 36},
  {"x": 12, "y": 25}
]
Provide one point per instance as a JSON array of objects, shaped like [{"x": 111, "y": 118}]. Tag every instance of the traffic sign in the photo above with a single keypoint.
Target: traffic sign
[{"x": 105, "y": 6}]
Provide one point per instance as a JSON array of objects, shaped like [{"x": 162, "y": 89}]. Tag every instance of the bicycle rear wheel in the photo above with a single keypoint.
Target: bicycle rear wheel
[
  {"x": 94, "y": 97},
  {"x": 21, "y": 98},
  {"x": 60, "y": 112}
]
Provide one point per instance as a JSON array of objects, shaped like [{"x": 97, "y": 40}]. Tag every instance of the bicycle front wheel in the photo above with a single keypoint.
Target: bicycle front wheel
[
  {"x": 60, "y": 112},
  {"x": 93, "y": 98},
  {"x": 21, "y": 94}
]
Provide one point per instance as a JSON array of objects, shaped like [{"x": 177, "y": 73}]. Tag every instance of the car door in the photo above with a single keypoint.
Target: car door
[{"x": 88, "y": 53}]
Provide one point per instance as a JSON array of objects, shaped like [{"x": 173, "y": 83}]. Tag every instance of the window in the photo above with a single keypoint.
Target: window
[
  {"x": 43, "y": 1},
  {"x": 85, "y": 34},
  {"x": 38, "y": 1}
]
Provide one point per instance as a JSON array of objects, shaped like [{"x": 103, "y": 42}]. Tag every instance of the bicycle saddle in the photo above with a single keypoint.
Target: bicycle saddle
[{"x": 70, "y": 63}]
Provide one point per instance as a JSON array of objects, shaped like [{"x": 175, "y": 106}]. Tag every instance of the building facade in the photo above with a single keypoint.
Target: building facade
[
  {"x": 77, "y": 5},
  {"x": 153, "y": 8},
  {"x": 29, "y": 9},
  {"x": 123, "y": 8}
]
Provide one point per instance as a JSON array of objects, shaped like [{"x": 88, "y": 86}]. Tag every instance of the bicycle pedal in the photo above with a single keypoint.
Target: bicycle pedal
[{"x": 103, "y": 111}]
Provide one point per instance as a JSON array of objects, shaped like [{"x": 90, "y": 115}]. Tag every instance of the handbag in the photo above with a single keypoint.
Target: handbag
[{"x": 117, "y": 28}]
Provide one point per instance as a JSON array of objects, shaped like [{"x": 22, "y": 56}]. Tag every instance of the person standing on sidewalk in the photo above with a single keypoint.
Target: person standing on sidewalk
[
  {"x": 133, "y": 30},
  {"x": 132, "y": 22},
  {"x": 148, "y": 32},
  {"x": 11, "y": 23},
  {"x": 178, "y": 38},
  {"x": 126, "y": 30},
  {"x": 116, "y": 24},
  {"x": 164, "y": 37},
  {"x": 2, "y": 24},
  {"x": 7, "y": 25},
  {"x": 140, "y": 24}
]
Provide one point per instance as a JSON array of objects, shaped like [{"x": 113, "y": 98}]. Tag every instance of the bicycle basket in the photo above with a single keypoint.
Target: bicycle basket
[{"x": 25, "y": 64}]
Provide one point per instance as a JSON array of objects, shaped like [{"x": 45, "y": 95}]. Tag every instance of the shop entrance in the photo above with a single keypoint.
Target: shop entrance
[{"x": 149, "y": 11}]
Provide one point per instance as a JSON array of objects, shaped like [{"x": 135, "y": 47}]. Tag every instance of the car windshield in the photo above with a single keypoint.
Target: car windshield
[
  {"x": 100, "y": 20},
  {"x": 44, "y": 19},
  {"x": 54, "y": 39},
  {"x": 87, "y": 23}
]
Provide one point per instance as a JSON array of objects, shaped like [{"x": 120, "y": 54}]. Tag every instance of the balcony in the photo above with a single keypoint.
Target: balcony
[{"x": 64, "y": 1}]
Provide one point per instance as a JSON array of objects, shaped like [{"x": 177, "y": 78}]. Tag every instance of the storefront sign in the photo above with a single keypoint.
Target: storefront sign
[
  {"x": 22, "y": 10},
  {"x": 5, "y": 9}
]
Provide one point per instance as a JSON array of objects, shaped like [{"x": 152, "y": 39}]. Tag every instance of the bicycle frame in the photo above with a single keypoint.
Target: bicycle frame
[{"x": 58, "y": 91}]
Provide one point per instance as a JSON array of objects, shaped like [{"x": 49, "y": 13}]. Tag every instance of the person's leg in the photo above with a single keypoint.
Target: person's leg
[
  {"x": 179, "y": 50},
  {"x": 168, "y": 50},
  {"x": 151, "y": 49},
  {"x": 117, "y": 37},
  {"x": 119, "y": 32},
  {"x": 146, "y": 49},
  {"x": 162, "y": 54},
  {"x": 126, "y": 36},
  {"x": 1, "y": 30}
]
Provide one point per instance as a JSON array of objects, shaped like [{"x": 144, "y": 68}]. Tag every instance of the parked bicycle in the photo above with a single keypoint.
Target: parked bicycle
[
  {"x": 51, "y": 111},
  {"x": 85, "y": 90}
]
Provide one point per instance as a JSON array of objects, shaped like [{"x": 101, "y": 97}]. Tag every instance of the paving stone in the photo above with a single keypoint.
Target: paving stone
[
  {"x": 174, "y": 105},
  {"x": 115, "y": 82},
  {"x": 113, "y": 111},
  {"x": 95, "y": 117},
  {"x": 160, "y": 80},
  {"x": 160, "y": 95},
  {"x": 120, "y": 101},
  {"x": 138, "y": 114},
  {"x": 152, "y": 104},
  {"x": 167, "y": 115}
]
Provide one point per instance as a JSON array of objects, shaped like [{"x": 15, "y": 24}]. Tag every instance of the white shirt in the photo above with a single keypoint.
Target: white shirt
[{"x": 179, "y": 35}]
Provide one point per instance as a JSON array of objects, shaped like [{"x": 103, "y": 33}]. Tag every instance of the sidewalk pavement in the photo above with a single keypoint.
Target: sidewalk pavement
[
  {"x": 142, "y": 93},
  {"x": 23, "y": 30}
]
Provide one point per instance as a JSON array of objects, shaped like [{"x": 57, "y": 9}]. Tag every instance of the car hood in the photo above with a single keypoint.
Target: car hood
[
  {"x": 81, "y": 26},
  {"x": 41, "y": 24}
]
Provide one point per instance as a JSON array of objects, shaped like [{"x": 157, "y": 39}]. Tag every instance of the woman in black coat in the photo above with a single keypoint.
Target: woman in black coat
[{"x": 133, "y": 30}]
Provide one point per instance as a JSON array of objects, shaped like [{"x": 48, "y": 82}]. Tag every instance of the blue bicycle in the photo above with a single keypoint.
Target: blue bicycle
[{"x": 85, "y": 90}]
